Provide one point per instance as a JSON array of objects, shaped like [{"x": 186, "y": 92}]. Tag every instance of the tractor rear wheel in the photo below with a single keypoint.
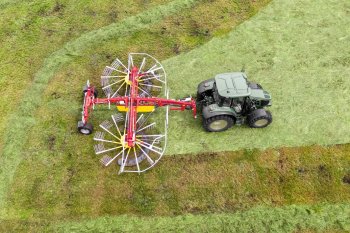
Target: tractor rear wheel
[
  {"x": 218, "y": 123},
  {"x": 85, "y": 128},
  {"x": 259, "y": 118}
]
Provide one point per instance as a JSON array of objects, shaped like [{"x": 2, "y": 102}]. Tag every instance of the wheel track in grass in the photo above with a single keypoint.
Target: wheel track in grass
[{"x": 22, "y": 119}]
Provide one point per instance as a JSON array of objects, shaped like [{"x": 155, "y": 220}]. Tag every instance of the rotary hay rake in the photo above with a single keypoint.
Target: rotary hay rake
[{"x": 136, "y": 135}]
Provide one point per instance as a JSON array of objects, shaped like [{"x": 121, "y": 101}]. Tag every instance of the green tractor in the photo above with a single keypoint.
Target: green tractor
[{"x": 230, "y": 99}]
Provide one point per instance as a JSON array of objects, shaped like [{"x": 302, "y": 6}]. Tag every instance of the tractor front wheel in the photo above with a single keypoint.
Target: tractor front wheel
[
  {"x": 218, "y": 123},
  {"x": 85, "y": 128},
  {"x": 259, "y": 118}
]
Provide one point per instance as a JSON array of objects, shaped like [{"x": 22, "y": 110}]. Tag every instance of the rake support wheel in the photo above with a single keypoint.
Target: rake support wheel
[{"x": 85, "y": 128}]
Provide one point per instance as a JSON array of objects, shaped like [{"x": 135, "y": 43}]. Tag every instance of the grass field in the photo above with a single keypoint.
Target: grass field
[
  {"x": 293, "y": 48},
  {"x": 299, "y": 55},
  {"x": 320, "y": 218}
]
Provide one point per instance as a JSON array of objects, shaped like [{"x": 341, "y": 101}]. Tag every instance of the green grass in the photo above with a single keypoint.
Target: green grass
[
  {"x": 68, "y": 185},
  {"x": 51, "y": 120},
  {"x": 294, "y": 50},
  {"x": 260, "y": 219},
  {"x": 23, "y": 118},
  {"x": 32, "y": 30},
  {"x": 294, "y": 218}
]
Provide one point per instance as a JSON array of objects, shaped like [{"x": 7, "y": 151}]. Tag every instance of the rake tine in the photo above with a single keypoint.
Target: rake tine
[
  {"x": 114, "y": 69},
  {"x": 141, "y": 124},
  {"x": 107, "y": 91},
  {"x": 120, "y": 63},
  {"x": 153, "y": 69},
  {"x": 118, "y": 117},
  {"x": 136, "y": 160},
  {"x": 149, "y": 85},
  {"x": 149, "y": 148},
  {"x": 154, "y": 77},
  {"x": 116, "y": 63},
  {"x": 151, "y": 136},
  {"x": 109, "y": 85},
  {"x": 149, "y": 160},
  {"x": 150, "y": 126},
  {"x": 124, "y": 161},
  {"x": 107, "y": 160},
  {"x": 148, "y": 138},
  {"x": 140, "y": 117},
  {"x": 142, "y": 95},
  {"x": 106, "y": 125},
  {"x": 107, "y": 71},
  {"x": 99, "y": 136},
  {"x": 142, "y": 64},
  {"x": 104, "y": 81},
  {"x": 145, "y": 92},
  {"x": 100, "y": 149},
  {"x": 113, "y": 76},
  {"x": 153, "y": 141},
  {"x": 131, "y": 62},
  {"x": 116, "y": 92},
  {"x": 154, "y": 66},
  {"x": 150, "y": 145}
]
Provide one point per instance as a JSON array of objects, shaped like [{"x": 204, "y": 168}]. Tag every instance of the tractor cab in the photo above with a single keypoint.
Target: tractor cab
[
  {"x": 229, "y": 99},
  {"x": 232, "y": 85},
  {"x": 230, "y": 89}
]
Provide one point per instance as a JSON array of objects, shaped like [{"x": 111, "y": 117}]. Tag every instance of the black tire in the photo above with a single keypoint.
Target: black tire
[
  {"x": 85, "y": 90},
  {"x": 259, "y": 118},
  {"x": 85, "y": 129},
  {"x": 218, "y": 123}
]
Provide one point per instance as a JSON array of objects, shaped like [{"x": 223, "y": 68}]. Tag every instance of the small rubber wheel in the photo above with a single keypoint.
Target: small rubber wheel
[
  {"x": 85, "y": 128},
  {"x": 259, "y": 118},
  {"x": 218, "y": 123},
  {"x": 85, "y": 90}
]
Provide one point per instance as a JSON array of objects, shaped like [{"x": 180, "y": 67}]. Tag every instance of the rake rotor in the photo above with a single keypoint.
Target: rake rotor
[{"x": 135, "y": 137}]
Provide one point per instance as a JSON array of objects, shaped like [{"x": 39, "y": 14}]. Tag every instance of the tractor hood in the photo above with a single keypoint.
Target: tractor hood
[{"x": 232, "y": 85}]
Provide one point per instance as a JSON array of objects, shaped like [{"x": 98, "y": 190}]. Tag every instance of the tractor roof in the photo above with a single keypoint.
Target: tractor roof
[{"x": 231, "y": 85}]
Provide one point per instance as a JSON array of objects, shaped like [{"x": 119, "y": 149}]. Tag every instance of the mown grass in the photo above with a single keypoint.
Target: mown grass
[
  {"x": 295, "y": 218},
  {"x": 32, "y": 30},
  {"x": 261, "y": 219},
  {"x": 23, "y": 118},
  {"x": 296, "y": 52},
  {"x": 66, "y": 185},
  {"x": 69, "y": 97},
  {"x": 61, "y": 179}
]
